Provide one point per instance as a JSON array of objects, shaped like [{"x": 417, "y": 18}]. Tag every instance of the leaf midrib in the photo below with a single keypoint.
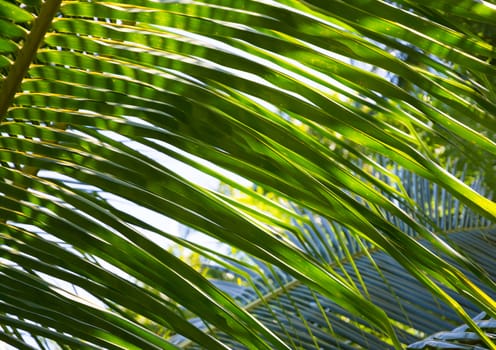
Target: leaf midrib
[{"x": 27, "y": 54}]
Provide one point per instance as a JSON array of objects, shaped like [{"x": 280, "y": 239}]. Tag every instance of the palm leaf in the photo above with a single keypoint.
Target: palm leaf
[
  {"x": 459, "y": 338},
  {"x": 412, "y": 307},
  {"x": 103, "y": 97}
]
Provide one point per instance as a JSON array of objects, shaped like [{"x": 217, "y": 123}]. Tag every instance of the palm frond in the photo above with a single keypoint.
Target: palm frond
[
  {"x": 308, "y": 320},
  {"x": 108, "y": 101},
  {"x": 459, "y": 338}
]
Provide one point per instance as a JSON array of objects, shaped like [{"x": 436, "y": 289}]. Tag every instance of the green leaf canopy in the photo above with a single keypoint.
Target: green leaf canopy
[{"x": 324, "y": 105}]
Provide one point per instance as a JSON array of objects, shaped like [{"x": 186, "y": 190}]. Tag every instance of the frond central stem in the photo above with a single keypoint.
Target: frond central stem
[{"x": 27, "y": 54}]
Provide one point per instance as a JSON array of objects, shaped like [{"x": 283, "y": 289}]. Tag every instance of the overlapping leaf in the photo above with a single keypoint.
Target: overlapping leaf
[{"x": 270, "y": 91}]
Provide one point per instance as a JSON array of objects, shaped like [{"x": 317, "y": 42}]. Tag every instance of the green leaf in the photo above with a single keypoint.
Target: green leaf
[
  {"x": 350, "y": 139},
  {"x": 14, "y": 13}
]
